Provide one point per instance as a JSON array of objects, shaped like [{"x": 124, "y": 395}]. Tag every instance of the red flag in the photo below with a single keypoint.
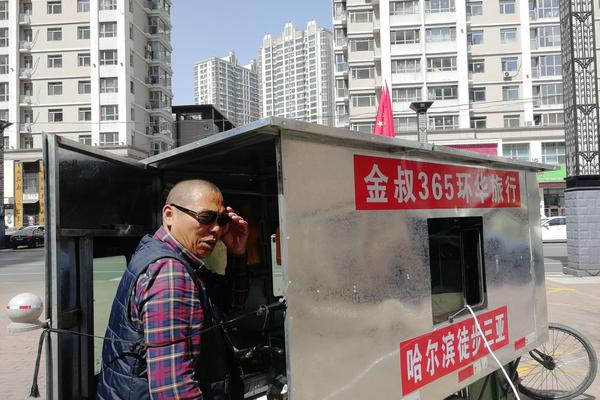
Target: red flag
[{"x": 384, "y": 122}]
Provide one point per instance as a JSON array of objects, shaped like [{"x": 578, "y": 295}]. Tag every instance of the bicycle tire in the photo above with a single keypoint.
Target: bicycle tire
[{"x": 566, "y": 346}]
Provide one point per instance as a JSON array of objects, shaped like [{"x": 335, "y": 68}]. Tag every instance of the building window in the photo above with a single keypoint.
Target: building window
[
  {"x": 477, "y": 94},
  {"x": 83, "y": 32},
  {"x": 360, "y": 17},
  {"x": 439, "y": 6},
  {"x": 477, "y": 66},
  {"x": 363, "y": 100},
  {"x": 109, "y": 113},
  {"x": 84, "y": 59},
  {"x": 3, "y": 64},
  {"x": 441, "y": 34},
  {"x": 548, "y": 94},
  {"x": 108, "y": 29},
  {"x": 478, "y": 122},
  {"x": 3, "y": 37},
  {"x": 108, "y": 57},
  {"x": 404, "y": 37},
  {"x": 27, "y": 143},
  {"x": 85, "y": 139},
  {"x": 553, "y": 119},
  {"x": 131, "y": 87},
  {"x": 507, "y": 6},
  {"x": 84, "y": 87},
  {"x": 510, "y": 64},
  {"x": 109, "y": 138},
  {"x": 3, "y": 91},
  {"x": 55, "y": 88},
  {"x": 437, "y": 64},
  {"x": 404, "y": 7},
  {"x": 508, "y": 35},
  {"x": 443, "y": 122},
  {"x": 475, "y": 37},
  {"x": 363, "y": 73},
  {"x": 512, "y": 121},
  {"x": 553, "y": 153},
  {"x": 83, "y": 5},
  {"x": 3, "y": 10},
  {"x": 362, "y": 45},
  {"x": 107, "y": 5},
  {"x": 550, "y": 65},
  {"x": 402, "y": 95},
  {"x": 548, "y": 9},
  {"x": 54, "y": 34},
  {"x": 55, "y": 61},
  {"x": 510, "y": 93},
  {"x": 517, "y": 151},
  {"x": 442, "y": 92},
  {"x": 55, "y": 115},
  {"x": 405, "y": 124},
  {"x": 54, "y": 7},
  {"x": 85, "y": 114},
  {"x": 109, "y": 85},
  {"x": 131, "y": 56},
  {"x": 406, "y": 66},
  {"x": 6, "y": 142},
  {"x": 474, "y": 8},
  {"x": 366, "y": 127},
  {"x": 549, "y": 36}
]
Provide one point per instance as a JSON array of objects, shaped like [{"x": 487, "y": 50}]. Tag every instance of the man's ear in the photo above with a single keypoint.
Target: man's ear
[{"x": 168, "y": 215}]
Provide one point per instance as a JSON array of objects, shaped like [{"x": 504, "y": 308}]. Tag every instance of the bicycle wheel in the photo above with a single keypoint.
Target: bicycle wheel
[{"x": 562, "y": 368}]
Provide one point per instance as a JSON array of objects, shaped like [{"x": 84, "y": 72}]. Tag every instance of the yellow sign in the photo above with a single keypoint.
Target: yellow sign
[
  {"x": 18, "y": 194},
  {"x": 41, "y": 193}
]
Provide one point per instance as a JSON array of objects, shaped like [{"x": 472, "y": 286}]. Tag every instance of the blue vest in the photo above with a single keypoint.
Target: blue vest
[{"x": 124, "y": 374}]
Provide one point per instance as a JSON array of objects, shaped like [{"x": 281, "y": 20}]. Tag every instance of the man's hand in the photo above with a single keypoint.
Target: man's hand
[{"x": 236, "y": 233}]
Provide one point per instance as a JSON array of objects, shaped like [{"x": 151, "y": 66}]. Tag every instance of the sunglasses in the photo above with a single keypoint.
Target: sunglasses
[{"x": 207, "y": 217}]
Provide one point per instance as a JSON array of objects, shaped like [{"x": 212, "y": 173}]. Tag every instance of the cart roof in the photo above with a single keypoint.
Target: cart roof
[{"x": 265, "y": 129}]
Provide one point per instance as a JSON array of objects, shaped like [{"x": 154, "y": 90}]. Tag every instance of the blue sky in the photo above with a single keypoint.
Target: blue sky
[{"x": 203, "y": 29}]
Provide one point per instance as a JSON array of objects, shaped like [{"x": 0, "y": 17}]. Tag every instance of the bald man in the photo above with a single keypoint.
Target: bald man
[{"x": 167, "y": 295}]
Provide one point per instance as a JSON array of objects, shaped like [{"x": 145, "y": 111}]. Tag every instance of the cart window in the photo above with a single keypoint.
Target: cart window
[{"x": 456, "y": 262}]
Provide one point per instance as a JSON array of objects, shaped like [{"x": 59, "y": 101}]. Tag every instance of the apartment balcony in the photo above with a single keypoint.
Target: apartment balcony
[
  {"x": 157, "y": 105},
  {"x": 163, "y": 129},
  {"x": 25, "y": 100},
  {"x": 24, "y": 19},
  {"x": 25, "y": 127},
  {"x": 154, "y": 8},
  {"x": 158, "y": 81},
  {"x": 341, "y": 18},
  {"x": 152, "y": 58},
  {"x": 25, "y": 45},
  {"x": 549, "y": 101},
  {"x": 155, "y": 32},
  {"x": 342, "y": 120},
  {"x": 25, "y": 73}
]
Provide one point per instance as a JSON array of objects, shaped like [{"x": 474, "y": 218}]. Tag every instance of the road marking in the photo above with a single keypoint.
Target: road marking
[{"x": 24, "y": 273}]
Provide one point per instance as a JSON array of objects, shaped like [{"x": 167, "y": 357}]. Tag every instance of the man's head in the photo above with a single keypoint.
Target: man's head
[{"x": 200, "y": 197}]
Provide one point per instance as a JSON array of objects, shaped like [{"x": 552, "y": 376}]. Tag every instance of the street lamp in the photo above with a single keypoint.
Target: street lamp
[
  {"x": 3, "y": 126},
  {"x": 421, "y": 108}
]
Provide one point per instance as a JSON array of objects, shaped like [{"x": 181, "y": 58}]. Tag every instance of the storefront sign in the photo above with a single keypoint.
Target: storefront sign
[
  {"x": 553, "y": 176},
  {"x": 18, "y": 194},
  {"x": 396, "y": 184},
  {"x": 431, "y": 356}
]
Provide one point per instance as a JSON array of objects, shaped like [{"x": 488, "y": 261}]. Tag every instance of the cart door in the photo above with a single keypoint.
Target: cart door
[{"x": 97, "y": 207}]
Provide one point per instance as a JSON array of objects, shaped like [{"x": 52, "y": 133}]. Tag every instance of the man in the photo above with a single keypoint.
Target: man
[{"x": 167, "y": 295}]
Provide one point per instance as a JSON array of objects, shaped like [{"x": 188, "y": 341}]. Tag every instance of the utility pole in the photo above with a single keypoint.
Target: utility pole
[{"x": 3, "y": 126}]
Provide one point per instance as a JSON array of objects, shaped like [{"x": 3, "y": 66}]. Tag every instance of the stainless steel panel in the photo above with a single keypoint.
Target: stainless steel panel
[{"x": 359, "y": 281}]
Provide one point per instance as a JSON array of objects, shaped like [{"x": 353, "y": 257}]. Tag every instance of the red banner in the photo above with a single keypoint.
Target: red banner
[
  {"x": 429, "y": 357},
  {"x": 396, "y": 184}
]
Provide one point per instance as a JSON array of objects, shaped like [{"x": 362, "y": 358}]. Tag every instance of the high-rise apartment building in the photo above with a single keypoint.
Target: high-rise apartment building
[
  {"x": 492, "y": 69},
  {"x": 297, "y": 74},
  {"x": 483, "y": 63},
  {"x": 96, "y": 71},
  {"x": 232, "y": 88}
]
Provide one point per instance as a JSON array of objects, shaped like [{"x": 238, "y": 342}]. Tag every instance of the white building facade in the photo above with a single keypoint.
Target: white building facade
[
  {"x": 297, "y": 74},
  {"x": 232, "y": 88},
  {"x": 486, "y": 65},
  {"x": 95, "y": 71}
]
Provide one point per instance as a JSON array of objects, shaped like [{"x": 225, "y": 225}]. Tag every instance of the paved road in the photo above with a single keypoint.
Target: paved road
[{"x": 22, "y": 265}]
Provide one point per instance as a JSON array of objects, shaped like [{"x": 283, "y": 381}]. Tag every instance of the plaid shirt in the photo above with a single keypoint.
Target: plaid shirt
[{"x": 166, "y": 303}]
